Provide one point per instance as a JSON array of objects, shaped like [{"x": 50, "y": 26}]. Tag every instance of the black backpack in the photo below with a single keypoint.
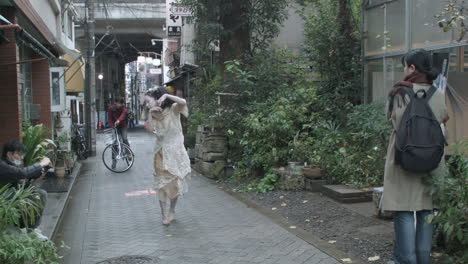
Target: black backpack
[{"x": 419, "y": 143}]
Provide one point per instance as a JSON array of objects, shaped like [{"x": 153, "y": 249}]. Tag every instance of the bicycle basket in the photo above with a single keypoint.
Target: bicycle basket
[{"x": 109, "y": 136}]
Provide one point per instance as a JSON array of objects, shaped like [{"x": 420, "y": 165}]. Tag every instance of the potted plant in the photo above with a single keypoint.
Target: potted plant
[
  {"x": 60, "y": 163},
  {"x": 312, "y": 170},
  {"x": 18, "y": 247}
]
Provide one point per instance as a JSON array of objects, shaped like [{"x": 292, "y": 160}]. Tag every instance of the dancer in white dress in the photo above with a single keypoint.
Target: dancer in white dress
[{"x": 171, "y": 161}]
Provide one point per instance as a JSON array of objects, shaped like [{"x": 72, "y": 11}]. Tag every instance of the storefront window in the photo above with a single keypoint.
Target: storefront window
[
  {"x": 385, "y": 26},
  {"x": 425, "y": 31}
]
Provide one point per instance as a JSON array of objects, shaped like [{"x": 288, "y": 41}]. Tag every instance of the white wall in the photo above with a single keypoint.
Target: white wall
[
  {"x": 49, "y": 10},
  {"x": 188, "y": 34},
  {"x": 291, "y": 33}
]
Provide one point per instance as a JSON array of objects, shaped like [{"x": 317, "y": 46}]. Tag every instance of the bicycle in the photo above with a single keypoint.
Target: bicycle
[
  {"x": 117, "y": 156},
  {"x": 78, "y": 142}
]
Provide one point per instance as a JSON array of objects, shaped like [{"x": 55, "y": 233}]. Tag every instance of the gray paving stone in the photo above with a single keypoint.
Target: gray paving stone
[{"x": 210, "y": 227}]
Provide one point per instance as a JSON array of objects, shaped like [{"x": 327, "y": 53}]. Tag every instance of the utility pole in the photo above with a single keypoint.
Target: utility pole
[{"x": 90, "y": 89}]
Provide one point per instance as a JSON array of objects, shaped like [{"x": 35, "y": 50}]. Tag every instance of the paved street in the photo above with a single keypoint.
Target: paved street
[{"x": 101, "y": 222}]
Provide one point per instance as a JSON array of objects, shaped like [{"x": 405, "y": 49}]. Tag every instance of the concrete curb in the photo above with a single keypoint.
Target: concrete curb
[
  {"x": 283, "y": 222},
  {"x": 56, "y": 205}
]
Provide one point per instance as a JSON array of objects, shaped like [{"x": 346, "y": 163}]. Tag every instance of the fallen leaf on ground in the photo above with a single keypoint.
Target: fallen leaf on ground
[
  {"x": 292, "y": 227},
  {"x": 373, "y": 258},
  {"x": 437, "y": 255},
  {"x": 281, "y": 169},
  {"x": 315, "y": 216},
  {"x": 274, "y": 208},
  {"x": 346, "y": 260},
  {"x": 284, "y": 204},
  {"x": 305, "y": 201},
  {"x": 281, "y": 197},
  {"x": 332, "y": 242},
  {"x": 321, "y": 221},
  {"x": 307, "y": 220},
  {"x": 168, "y": 235}
]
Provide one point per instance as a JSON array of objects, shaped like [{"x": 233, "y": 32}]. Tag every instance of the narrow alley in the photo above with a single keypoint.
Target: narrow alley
[{"x": 103, "y": 220}]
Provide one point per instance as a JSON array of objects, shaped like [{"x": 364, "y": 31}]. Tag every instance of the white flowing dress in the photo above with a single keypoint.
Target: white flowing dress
[{"x": 171, "y": 161}]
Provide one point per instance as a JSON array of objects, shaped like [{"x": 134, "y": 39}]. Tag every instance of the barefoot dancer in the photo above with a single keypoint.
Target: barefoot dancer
[{"x": 171, "y": 161}]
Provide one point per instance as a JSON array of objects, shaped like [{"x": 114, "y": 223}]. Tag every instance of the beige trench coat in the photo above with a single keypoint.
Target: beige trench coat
[{"x": 403, "y": 190}]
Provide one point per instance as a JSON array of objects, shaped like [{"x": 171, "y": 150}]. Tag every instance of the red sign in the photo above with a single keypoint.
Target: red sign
[{"x": 178, "y": 10}]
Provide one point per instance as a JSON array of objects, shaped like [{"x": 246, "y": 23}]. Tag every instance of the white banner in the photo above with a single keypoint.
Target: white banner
[{"x": 180, "y": 10}]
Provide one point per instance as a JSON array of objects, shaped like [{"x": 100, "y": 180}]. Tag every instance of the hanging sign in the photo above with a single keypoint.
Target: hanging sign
[
  {"x": 180, "y": 10},
  {"x": 174, "y": 31}
]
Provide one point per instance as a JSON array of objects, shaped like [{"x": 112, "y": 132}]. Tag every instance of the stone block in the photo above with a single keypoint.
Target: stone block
[
  {"x": 212, "y": 170},
  {"x": 211, "y": 145},
  {"x": 377, "y": 199},
  {"x": 208, "y": 156},
  {"x": 290, "y": 180},
  {"x": 199, "y": 138},
  {"x": 346, "y": 194},
  {"x": 198, "y": 151},
  {"x": 313, "y": 185}
]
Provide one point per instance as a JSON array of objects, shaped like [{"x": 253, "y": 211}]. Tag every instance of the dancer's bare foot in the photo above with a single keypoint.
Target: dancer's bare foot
[
  {"x": 166, "y": 221},
  {"x": 171, "y": 217}
]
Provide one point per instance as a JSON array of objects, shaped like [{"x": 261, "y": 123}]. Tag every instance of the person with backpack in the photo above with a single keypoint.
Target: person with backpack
[{"x": 415, "y": 152}]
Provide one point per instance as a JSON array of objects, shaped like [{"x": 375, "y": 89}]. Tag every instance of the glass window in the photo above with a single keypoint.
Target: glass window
[
  {"x": 25, "y": 80},
  {"x": 425, "y": 32},
  {"x": 70, "y": 25},
  {"x": 385, "y": 27},
  {"x": 378, "y": 84},
  {"x": 57, "y": 89}
]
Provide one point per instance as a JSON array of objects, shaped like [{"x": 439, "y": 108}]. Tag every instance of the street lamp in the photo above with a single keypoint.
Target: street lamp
[{"x": 100, "y": 76}]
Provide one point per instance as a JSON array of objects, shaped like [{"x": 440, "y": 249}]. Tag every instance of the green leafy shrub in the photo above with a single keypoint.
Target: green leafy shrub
[
  {"x": 267, "y": 183},
  {"x": 271, "y": 128},
  {"x": 450, "y": 193},
  {"x": 37, "y": 144},
  {"x": 354, "y": 152},
  {"x": 17, "y": 247},
  {"x": 367, "y": 133}
]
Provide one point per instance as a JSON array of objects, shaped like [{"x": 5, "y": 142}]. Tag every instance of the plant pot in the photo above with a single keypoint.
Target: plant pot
[
  {"x": 293, "y": 164},
  {"x": 312, "y": 172},
  {"x": 60, "y": 172}
]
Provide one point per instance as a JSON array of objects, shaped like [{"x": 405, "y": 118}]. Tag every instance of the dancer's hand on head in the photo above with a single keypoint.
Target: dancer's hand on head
[{"x": 162, "y": 98}]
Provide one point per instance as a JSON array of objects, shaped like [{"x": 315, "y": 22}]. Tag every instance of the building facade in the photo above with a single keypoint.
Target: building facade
[
  {"x": 390, "y": 29},
  {"x": 34, "y": 36}
]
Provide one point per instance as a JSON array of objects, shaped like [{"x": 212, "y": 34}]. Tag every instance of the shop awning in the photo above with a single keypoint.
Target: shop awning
[{"x": 75, "y": 73}]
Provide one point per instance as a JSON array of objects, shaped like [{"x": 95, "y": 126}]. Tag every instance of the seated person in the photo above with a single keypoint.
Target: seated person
[{"x": 12, "y": 173}]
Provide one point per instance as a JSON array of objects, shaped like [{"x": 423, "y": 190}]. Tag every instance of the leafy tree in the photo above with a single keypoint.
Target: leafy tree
[
  {"x": 452, "y": 17},
  {"x": 238, "y": 28},
  {"x": 335, "y": 52}
]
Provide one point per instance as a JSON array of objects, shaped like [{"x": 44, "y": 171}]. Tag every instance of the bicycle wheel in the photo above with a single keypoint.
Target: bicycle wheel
[{"x": 115, "y": 162}]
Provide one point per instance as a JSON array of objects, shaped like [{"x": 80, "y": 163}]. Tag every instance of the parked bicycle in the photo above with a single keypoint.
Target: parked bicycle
[
  {"x": 78, "y": 142},
  {"x": 117, "y": 156}
]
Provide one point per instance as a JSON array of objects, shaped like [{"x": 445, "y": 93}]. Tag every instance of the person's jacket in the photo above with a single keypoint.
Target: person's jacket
[
  {"x": 114, "y": 114},
  {"x": 12, "y": 174}
]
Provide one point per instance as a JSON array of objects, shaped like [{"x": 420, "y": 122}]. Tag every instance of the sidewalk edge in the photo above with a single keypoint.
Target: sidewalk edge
[{"x": 75, "y": 173}]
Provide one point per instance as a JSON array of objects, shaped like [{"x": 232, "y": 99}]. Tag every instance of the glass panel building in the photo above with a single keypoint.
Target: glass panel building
[{"x": 390, "y": 29}]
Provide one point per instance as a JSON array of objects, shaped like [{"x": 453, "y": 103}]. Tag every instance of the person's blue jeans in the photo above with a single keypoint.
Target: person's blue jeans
[{"x": 412, "y": 243}]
